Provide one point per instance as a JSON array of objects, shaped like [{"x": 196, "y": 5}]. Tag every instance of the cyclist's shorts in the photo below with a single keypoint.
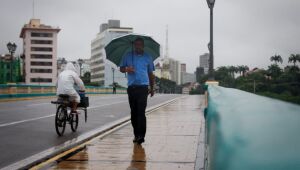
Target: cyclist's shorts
[{"x": 74, "y": 98}]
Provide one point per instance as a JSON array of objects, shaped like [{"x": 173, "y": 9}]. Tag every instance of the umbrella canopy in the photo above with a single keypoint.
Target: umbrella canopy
[{"x": 118, "y": 47}]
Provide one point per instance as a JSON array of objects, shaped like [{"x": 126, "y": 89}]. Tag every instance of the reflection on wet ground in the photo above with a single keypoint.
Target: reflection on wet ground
[{"x": 173, "y": 135}]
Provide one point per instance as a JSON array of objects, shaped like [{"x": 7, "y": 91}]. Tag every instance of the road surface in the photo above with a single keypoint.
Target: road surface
[{"x": 27, "y": 127}]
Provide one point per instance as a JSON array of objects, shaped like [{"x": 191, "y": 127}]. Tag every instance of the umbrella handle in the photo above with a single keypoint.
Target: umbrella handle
[{"x": 132, "y": 53}]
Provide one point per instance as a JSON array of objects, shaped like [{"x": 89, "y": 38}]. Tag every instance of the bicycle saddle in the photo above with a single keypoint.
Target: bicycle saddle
[{"x": 64, "y": 96}]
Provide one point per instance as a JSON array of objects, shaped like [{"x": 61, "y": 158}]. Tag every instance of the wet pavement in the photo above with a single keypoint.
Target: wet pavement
[
  {"x": 174, "y": 140},
  {"x": 33, "y": 120}
]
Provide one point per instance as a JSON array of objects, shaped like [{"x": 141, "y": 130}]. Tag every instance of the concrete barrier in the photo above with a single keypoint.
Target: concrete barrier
[
  {"x": 245, "y": 131},
  {"x": 18, "y": 90}
]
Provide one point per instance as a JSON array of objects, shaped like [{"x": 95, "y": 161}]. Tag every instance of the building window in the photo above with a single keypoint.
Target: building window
[
  {"x": 38, "y": 63},
  {"x": 41, "y": 70},
  {"x": 39, "y": 34},
  {"x": 97, "y": 62},
  {"x": 41, "y": 56},
  {"x": 40, "y": 80},
  {"x": 41, "y": 42},
  {"x": 41, "y": 49},
  {"x": 97, "y": 69},
  {"x": 95, "y": 76}
]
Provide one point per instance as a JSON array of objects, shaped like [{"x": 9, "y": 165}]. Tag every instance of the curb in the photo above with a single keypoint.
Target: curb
[{"x": 68, "y": 145}]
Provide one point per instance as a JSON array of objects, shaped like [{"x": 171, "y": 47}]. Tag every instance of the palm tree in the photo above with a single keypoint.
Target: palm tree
[
  {"x": 232, "y": 70},
  {"x": 240, "y": 69},
  {"x": 244, "y": 69},
  {"x": 276, "y": 58},
  {"x": 294, "y": 58}
]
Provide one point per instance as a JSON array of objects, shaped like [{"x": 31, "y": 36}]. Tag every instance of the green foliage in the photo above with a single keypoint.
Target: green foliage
[
  {"x": 196, "y": 91},
  {"x": 276, "y": 59},
  {"x": 283, "y": 84},
  {"x": 86, "y": 78},
  {"x": 283, "y": 96},
  {"x": 167, "y": 86},
  {"x": 274, "y": 71}
]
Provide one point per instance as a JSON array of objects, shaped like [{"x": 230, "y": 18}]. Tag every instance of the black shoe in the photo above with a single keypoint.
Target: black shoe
[
  {"x": 134, "y": 140},
  {"x": 140, "y": 140}
]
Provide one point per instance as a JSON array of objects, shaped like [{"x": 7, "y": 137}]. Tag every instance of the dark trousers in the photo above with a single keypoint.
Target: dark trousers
[{"x": 137, "y": 96}]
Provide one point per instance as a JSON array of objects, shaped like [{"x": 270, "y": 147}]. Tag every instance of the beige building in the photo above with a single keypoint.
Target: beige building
[
  {"x": 40, "y": 51},
  {"x": 102, "y": 70}
]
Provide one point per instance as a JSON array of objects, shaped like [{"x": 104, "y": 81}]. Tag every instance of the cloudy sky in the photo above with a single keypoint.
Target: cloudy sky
[{"x": 246, "y": 32}]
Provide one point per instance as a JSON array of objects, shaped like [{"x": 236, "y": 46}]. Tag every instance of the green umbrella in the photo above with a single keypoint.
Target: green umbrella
[{"x": 118, "y": 47}]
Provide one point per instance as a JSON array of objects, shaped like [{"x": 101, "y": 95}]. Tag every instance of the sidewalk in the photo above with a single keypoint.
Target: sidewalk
[{"x": 174, "y": 140}]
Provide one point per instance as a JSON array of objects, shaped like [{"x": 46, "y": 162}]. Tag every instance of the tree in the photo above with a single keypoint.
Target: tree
[
  {"x": 291, "y": 69},
  {"x": 86, "y": 78},
  {"x": 276, "y": 59},
  {"x": 224, "y": 76},
  {"x": 242, "y": 69},
  {"x": 232, "y": 70},
  {"x": 274, "y": 70},
  {"x": 294, "y": 58}
]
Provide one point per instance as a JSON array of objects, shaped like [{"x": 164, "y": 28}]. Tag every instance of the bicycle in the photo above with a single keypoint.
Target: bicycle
[{"x": 64, "y": 115}]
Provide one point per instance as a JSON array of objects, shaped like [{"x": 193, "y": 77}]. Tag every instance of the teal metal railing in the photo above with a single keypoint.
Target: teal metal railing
[
  {"x": 245, "y": 131},
  {"x": 17, "y": 90}
]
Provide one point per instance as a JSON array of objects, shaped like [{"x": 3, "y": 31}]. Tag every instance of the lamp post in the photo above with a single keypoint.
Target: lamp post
[
  {"x": 211, "y": 4},
  {"x": 113, "y": 84},
  {"x": 113, "y": 71},
  {"x": 80, "y": 62},
  {"x": 11, "y": 48}
]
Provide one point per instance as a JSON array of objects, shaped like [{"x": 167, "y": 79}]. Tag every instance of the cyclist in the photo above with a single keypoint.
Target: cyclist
[{"x": 66, "y": 82}]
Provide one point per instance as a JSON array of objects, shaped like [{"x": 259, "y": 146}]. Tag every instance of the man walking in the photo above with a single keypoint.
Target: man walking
[{"x": 139, "y": 66}]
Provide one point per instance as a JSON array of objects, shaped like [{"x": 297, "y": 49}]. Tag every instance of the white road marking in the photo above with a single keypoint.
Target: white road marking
[{"x": 23, "y": 121}]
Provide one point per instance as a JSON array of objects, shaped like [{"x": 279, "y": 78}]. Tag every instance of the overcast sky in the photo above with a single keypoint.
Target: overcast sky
[{"x": 246, "y": 32}]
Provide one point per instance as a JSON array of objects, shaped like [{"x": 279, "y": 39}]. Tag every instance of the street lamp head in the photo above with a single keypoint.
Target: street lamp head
[
  {"x": 11, "y": 47},
  {"x": 210, "y": 3},
  {"x": 14, "y": 47},
  {"x": 80, "y": 61}
]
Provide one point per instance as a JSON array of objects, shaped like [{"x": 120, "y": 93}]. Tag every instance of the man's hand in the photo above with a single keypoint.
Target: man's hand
[{"x": 130, "y": 69}]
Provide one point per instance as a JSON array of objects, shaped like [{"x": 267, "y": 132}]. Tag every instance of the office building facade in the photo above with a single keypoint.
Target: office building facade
[
  {"x": 103, "y": 71},
  {"x": 204, "y": 62},
  {"x": 40, "y": 52}
]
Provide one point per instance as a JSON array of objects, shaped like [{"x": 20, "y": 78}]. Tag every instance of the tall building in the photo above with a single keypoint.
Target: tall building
[
  {"x": 40, "y": 52},
  {"x": 183, "y": 67},
  {"x": 204, "y": 62},
  {"x": 171, "y": 70},
  {"x": 199, "y": 73},
  {"x": 103, "y": 71},
  {"x": 186, "y": 77}
]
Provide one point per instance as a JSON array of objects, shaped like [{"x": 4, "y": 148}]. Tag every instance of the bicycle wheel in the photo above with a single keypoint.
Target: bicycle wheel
[
  {"x": 74, "y": 121},
  {"x": 60, "y": 120}
]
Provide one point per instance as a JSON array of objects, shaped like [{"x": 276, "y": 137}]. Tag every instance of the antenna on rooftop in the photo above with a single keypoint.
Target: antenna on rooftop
[
  {"x": 167, "y": 43},
  {"x": 32, "y": 8}
]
